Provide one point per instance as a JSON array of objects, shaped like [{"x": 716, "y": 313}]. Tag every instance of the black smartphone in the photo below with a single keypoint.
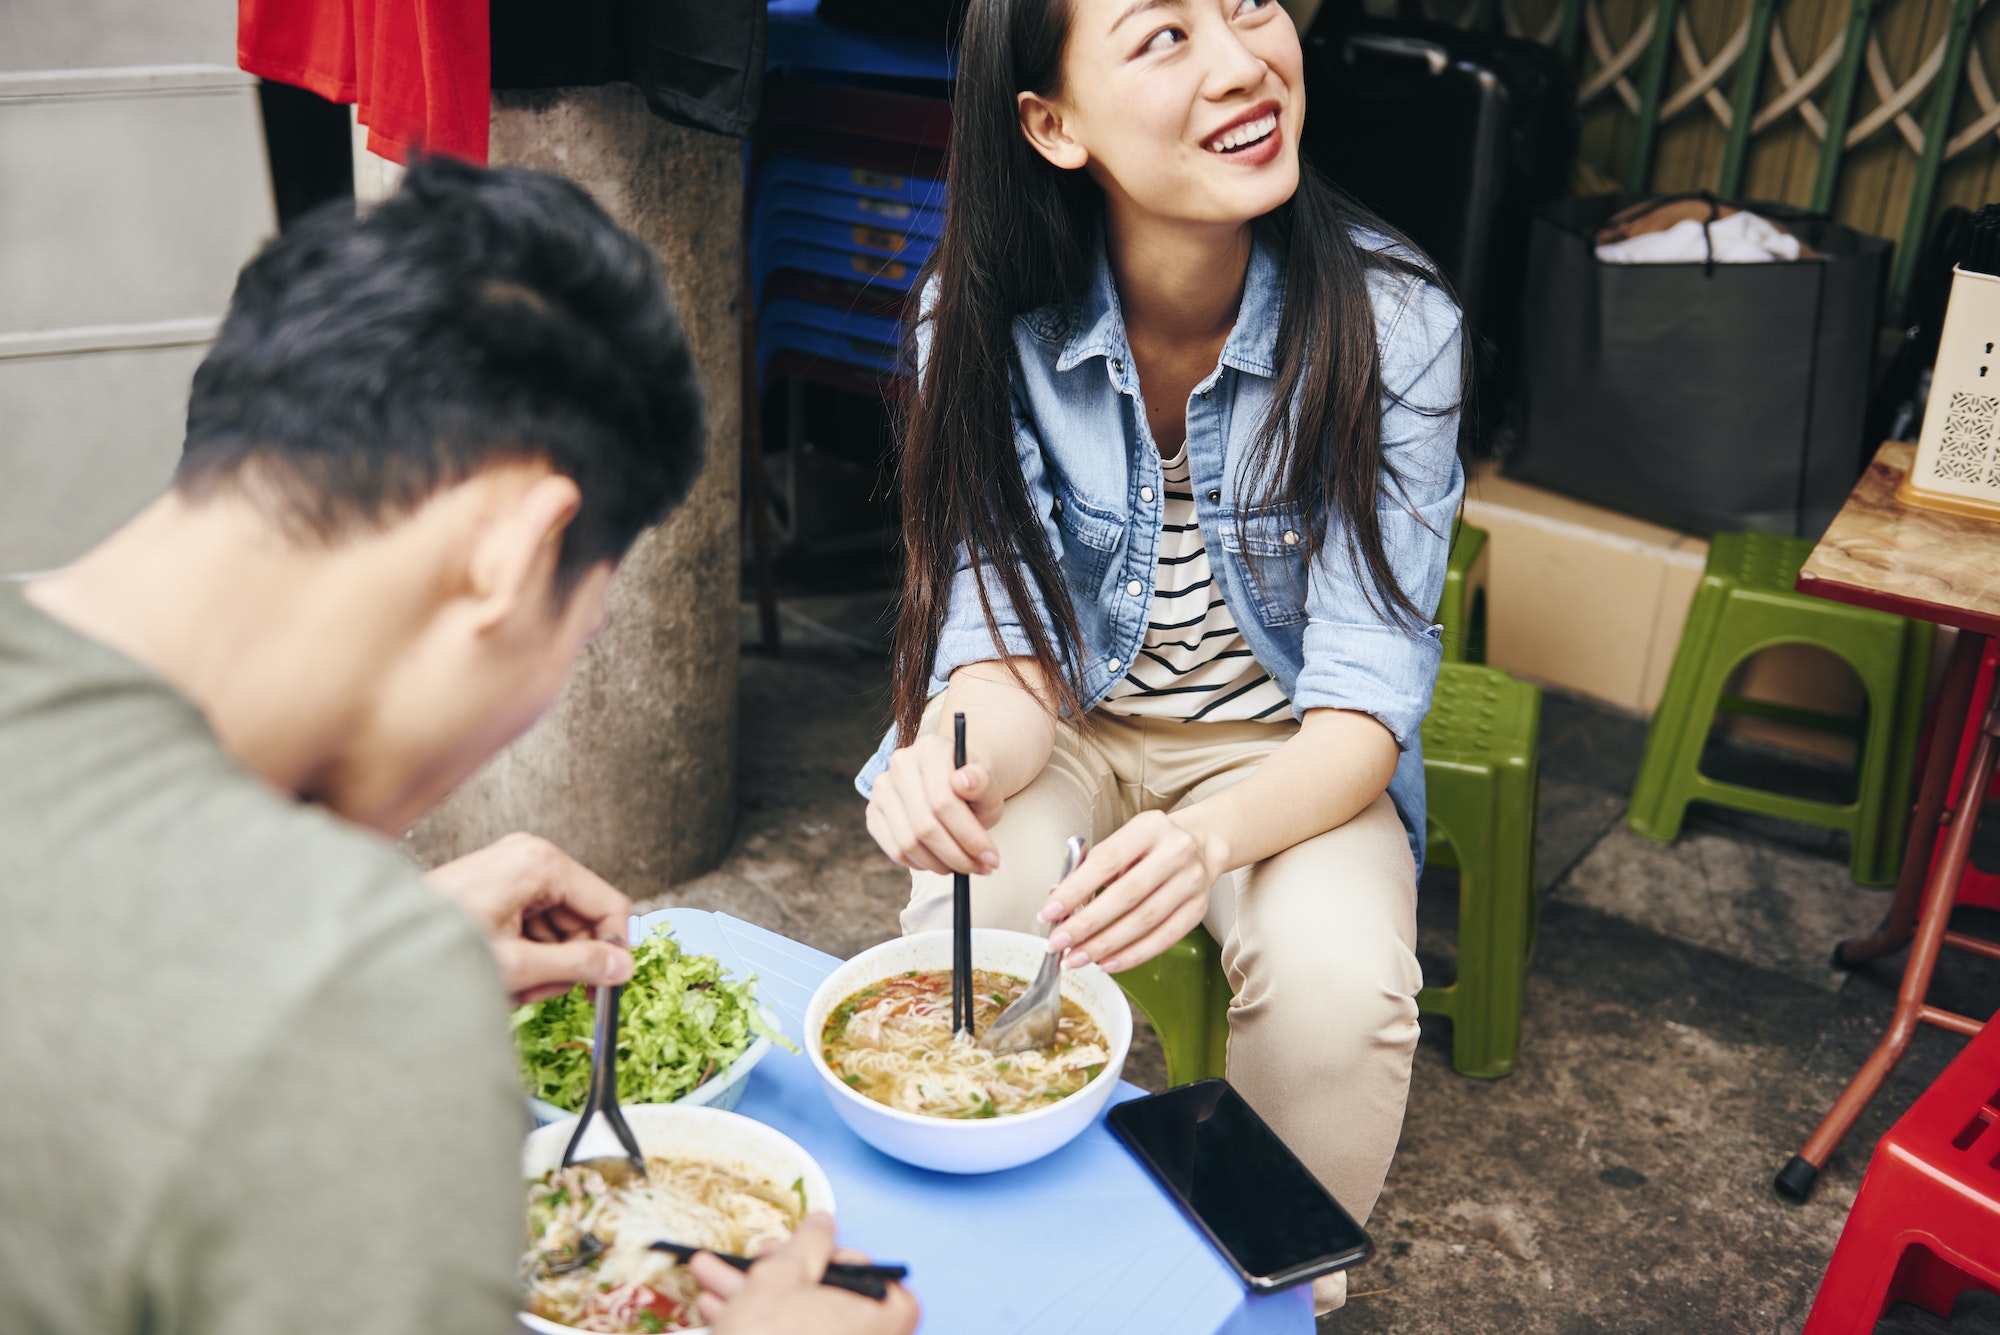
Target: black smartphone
[{"x": 1268, "y": 1216}]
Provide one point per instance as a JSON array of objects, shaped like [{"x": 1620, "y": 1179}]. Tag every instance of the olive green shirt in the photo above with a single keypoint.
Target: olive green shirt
[{"x": 254, "y": 1073}]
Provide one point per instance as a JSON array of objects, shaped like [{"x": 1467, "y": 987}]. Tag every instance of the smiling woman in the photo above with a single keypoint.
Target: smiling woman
[{"x": 1179, "y": 474}]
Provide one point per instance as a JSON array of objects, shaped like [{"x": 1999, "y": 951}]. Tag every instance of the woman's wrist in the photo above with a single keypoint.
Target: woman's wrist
[{"x": 1199, "y": 820}]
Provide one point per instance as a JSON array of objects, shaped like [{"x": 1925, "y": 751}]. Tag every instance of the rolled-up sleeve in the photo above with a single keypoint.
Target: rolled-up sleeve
[
  {"x": 967, "y": 638},
  {"x": 1358, "y": 653}
]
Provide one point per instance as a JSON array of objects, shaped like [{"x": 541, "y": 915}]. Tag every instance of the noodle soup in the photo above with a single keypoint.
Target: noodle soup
[
  {"x": 589, "y": 1263},
  {"x": 892, "y": 1042}
]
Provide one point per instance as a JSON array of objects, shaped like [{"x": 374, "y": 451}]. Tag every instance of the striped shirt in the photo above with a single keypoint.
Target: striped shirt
[{"x": 1194, "y": 665}]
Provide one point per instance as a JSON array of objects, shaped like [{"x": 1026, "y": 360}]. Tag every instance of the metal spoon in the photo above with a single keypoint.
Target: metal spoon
[
  {"x": 601, "y": 1103},
  {"x": 1031, "y": 1021}
]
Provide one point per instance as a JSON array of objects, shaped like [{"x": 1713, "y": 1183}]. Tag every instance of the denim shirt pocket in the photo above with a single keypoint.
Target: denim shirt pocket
[
  {"x": 1270, "y": 550},
  {"x": 1090, "y": 538}
]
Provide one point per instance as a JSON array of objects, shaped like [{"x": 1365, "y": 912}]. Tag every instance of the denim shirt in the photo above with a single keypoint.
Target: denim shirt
[{"x": 1093, "y": 471}]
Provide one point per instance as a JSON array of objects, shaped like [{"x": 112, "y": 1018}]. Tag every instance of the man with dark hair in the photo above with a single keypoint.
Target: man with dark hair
[{"x": 258, "y": 1075}]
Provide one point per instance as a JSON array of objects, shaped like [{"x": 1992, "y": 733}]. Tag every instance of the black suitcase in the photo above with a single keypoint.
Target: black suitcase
[{"x": 1455, "y": 138}]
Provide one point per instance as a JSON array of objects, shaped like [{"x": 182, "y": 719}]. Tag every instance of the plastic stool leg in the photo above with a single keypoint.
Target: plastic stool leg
[
  {"x": 1176, "y": 991},
  {"x": 1652, "y": 811}
]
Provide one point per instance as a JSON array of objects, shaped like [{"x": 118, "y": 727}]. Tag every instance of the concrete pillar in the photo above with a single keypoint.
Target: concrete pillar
[{"x": 633, "y": 771}]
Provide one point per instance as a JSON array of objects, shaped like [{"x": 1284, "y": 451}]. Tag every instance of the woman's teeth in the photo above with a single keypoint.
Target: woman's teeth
[{"x": 1248, "y": 133}]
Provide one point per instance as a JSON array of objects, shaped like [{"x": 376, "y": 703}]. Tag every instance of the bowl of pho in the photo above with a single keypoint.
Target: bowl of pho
[
  {"x": 879, "y": 1033},
  {"x": 715, "y": 1180}
]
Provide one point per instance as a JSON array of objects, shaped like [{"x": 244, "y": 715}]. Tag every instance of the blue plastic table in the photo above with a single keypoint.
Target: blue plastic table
[{"x": 1080, "y": 1241}]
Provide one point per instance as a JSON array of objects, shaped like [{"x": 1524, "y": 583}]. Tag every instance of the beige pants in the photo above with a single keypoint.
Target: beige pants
[{"x": 1319, "y": 942}]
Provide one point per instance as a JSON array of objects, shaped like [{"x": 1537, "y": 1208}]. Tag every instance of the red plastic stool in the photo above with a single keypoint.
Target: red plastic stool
[{"x": 1926, "y": 1224}]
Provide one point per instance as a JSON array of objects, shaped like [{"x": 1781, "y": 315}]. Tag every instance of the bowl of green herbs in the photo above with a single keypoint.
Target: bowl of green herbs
[{"x": 687, "y": 1033}]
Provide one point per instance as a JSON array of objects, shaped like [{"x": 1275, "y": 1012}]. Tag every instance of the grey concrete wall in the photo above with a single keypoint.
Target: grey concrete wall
[
  {"x": 132, "y": 187},
  {"x": 633, "y": 770}
]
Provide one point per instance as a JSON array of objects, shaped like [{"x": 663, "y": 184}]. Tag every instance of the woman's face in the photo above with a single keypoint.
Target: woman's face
[{"x": 1186, "y": 110}]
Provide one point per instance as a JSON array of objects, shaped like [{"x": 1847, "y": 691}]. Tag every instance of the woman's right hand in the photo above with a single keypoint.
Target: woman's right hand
[{"x": 929, "y": 815}]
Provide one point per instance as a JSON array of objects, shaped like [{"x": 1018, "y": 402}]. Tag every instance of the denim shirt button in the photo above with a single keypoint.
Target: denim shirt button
[
  {"x": 1145, "y": 493},
  {"x": 1118, "y": 365},
  {"x": 1135, "y": 588},
  {"x": 1291, "y": 538},
  {"x": 1214, "y": 496},
  {"x": 1114, "y": 664}
]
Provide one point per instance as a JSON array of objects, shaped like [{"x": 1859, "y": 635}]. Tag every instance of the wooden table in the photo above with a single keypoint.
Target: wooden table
[
  {"x": 1943, "y": 568},
  {"x": 1925, "y": 564}
]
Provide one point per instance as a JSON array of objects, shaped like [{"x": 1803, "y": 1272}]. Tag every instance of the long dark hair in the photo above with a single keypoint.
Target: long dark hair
[{"x": 1019, "y": 235}]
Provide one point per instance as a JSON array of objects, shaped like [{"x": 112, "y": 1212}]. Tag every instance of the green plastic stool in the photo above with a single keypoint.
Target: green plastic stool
[
  {"x": 1185, "y": 997},
  {"x": 1462, "y": 609},
  {"x": 1480, "y": 771},
  {"x": 1745, "y": 604},
  {"x": 1462, "y": 614}
]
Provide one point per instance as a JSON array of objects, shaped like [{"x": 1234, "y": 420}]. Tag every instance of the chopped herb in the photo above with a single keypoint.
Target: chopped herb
[
  {"x": 683, "y": 1023},
  {"x": 649, "y": 1321},
  {"x": 799, "y": 1190}
]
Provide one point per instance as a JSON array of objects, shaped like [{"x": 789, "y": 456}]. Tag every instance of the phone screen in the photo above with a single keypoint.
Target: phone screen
[{"x": 1241, "y": 1185}]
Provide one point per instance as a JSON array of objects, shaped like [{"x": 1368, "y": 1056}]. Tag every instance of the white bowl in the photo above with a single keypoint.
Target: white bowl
[
  {"x": 978, "y": 1145},
  {"x": 674, "y": 1130}
]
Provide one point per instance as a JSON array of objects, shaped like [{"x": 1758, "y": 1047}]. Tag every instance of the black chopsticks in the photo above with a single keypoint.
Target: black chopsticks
[
  {"x": 870, "y": 1281},
  {"x": 961, "y": 917}
]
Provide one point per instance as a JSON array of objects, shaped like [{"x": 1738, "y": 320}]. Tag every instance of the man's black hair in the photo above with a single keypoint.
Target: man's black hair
[{"x": 473, "y": 318}]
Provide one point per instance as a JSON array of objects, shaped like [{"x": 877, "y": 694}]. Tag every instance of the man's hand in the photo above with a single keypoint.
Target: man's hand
[
  {"x": 553, "y": 922},
  {"x": 782, "y": 1295}
]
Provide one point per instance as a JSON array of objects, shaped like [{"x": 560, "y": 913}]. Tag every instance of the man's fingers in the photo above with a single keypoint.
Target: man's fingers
[
  {"x": 901, "y": 1312},
  {"x": 579, "y": 893},
  {"x": 717, "y": 1278},
  {"x": 807, "y": 1251},
  {"x": 526, "y": 966}
]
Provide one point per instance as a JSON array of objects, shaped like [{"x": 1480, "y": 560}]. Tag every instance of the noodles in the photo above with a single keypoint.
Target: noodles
[
  {"x": 892, "y": 1041},
  {"x": 631, "y": 1288}
]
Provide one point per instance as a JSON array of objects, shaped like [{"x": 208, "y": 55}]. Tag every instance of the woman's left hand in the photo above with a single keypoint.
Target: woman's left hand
[{"x": 1155, "y": 872}]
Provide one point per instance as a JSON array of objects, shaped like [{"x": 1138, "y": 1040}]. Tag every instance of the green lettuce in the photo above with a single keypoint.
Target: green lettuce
[{"x": 680, "y": 1024}]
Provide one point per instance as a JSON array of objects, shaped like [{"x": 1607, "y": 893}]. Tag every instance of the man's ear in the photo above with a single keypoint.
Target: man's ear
[
  {"x": 1042, "y": 123},
  {"x": 514, "y": 558}
]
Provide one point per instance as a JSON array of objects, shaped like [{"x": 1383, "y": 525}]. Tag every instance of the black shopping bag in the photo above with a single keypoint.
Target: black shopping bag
[{"x": 1703, "y": 397}]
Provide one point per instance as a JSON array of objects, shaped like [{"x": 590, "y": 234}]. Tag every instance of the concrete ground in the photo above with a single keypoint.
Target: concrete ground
[{"x": 1684, "y": 1031}]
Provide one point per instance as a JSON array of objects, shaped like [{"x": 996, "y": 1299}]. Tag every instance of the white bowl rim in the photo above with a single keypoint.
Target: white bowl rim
[{"x": 843, "y": 1089}]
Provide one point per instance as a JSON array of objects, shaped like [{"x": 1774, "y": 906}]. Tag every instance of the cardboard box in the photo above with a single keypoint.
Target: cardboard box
[{"x": 1593, "y": 601}]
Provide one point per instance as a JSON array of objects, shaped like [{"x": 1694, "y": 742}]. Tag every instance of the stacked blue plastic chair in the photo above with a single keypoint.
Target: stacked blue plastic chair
[{"x": 846, "y": 197}]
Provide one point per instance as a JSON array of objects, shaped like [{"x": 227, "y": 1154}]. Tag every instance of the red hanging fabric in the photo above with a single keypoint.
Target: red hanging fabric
[{"x": 418, "y": 71}]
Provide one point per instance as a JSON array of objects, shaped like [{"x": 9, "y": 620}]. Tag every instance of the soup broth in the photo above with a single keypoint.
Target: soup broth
[
  {"x": 892, "y": 1041},
  {"x": 590, "y": 1263}
]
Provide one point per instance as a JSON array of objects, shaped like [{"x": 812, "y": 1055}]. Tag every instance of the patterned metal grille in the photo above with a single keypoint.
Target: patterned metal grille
[{"x": 1753, "y": 85}]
